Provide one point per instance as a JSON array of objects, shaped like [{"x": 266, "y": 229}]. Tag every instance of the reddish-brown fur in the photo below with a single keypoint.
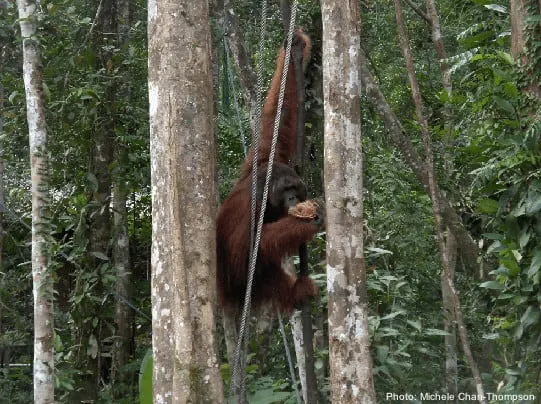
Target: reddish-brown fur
[{"x": 282, "y": 236}]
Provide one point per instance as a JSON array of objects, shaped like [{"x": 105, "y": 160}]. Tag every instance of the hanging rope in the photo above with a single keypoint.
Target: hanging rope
[
  {"x": 255, "y": 242},
  {"x": 234, "y": 91}
]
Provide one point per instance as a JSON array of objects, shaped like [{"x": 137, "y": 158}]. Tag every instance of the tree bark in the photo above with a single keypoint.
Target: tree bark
[
  {"x": 2, "y": 58},
  {"x": 434, "y": 196},
  {"x": 183, "y": 203},
  {"x": 41, "y": 275},
  {"x": 517, "y": 15},
  {"x": 449, "y": 318},
  {"x": 121, "y": 242},
  {"x": 349, "y": 342},
  {"x": 449, "y": 322},
  {"x": 99, "y": 214},
  {"x": 121, "y": 262},
  {"x": 525, "y": 35}
]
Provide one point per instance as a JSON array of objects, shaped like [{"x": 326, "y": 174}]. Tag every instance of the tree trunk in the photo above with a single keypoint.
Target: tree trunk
[
  {"x": 296, "y": 329},
  {"x": 349, "y": 342},
  {"x": 517, "y": 14},
  {"x": 183, "y": 203},
  {"x": 41, "y": 275},
  {"x": 449, "y": 322},
  {"x": 247, "y": 77},
  {"x": 99, "y": 215},
  {"x": 2, "y": 58},
  {"x": 121, "y": 262},
  {"x": 121, "y": 241},
  {"x": 524, "y": 37},
  {"x": 449, "y": 318},
  {"x": 434, "y": 196}
]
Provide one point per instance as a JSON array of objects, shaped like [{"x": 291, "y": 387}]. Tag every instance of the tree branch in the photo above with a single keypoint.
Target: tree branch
[{"x": 420, "y": 12}]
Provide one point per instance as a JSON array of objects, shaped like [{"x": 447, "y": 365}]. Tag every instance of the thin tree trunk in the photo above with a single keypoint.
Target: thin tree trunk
[
  {"x": 296, "y": 329},
  {"x": 121, "y": 262},
  {"x": 449, "y": 318},
  {"x": 41, "y": 275},
  {"x": 349, "y": 341},
  {"x": 100, "y": 220},
  {"x": 434, "y": 195},
  {"x": 449, "y": 322},
  {"x": 247, "y": 76},
  {"x": 2, "y": 58},
  {"x": 468, "y": 248},
  {"x": 121, "y": 241},
  {"x": 183, "y": 203}
]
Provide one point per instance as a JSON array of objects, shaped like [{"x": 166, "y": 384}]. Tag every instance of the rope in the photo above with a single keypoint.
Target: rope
[
  {"x": 255, "y": 147},
  {"x": 235, "y": 99},
  {"x": 254, "y": 244},
  {"x": 289, "y": 358}
]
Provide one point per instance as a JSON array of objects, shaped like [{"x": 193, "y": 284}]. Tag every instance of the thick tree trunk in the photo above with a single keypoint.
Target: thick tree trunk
[
  {"x": 349, "y": 341},
  {"x": 183, "y": 203},
  {"x": 41, "y": 275},
  {"x": 434, "y": 196},
  {"x": 518, "y": 13}
]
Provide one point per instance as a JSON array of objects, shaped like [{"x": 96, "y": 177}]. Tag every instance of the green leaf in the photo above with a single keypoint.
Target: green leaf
[
  {"x": 506, "y": 57},
  {"x": 100, "y": 255},
  {"x": 488, "y": 206},
  {"x": 93, "y": 181},
  {"x": 145, "y": 379},
  {"x": 393, "y": 315},
  {"x": 382, "y": 353},
  {"x": 492, "y": 285},
  {"x": 536, "y": 263},
  {"x": 496, "y": 7},
  {"x": 530, "y": 317},
  {"x": 493, "y": 236},
  {"x": 491, "y": 336},
  {"x": 415, "y": 324},
  {"x": 533, "y": 204},
  {"x": 434, "y": 331},
  {"x": 268, "y": 396},
  {"x": 92, "y": 349},
  {"x": 524, "y": 238},
  {"x": 378, "y": 251},
  {"x": 504, "y": 105}
]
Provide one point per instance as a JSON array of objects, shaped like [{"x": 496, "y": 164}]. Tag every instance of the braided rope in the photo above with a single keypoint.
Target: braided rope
[
  {"x": 236, "y": 380},
  {"x": 254, "y": 244},
  {"x": 235, "y": 98}
]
